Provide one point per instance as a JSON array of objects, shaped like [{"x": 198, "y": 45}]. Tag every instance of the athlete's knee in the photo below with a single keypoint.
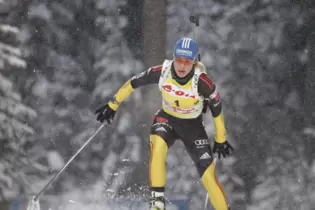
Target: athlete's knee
[
  {"x": 215, "y": 190},
  {"x": 158, "y": 150},
  {"x": 157, "y": 161},
  {"x": 207, "y": 170}
]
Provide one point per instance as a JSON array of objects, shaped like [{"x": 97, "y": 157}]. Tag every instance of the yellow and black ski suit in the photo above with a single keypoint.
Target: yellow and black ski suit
[{"x": 181, "y": 118}]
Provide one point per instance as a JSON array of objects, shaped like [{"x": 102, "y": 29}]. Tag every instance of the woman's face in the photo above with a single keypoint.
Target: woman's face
[{"x": 183, "y": 66}]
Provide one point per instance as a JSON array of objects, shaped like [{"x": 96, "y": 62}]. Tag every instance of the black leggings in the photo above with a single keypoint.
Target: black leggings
[{"x": 190, "y": 131}]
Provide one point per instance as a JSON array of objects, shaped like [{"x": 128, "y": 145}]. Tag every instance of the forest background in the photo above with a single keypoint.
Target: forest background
[{"x": 60, "y": 60}]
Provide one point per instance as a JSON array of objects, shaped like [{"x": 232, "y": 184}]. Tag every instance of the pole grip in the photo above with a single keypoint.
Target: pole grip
[{"x": 194, "y": 19}]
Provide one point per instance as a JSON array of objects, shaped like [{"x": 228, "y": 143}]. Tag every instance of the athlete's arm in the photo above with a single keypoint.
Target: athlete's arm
[
  {"x": 150, "y": 76},
  {"x": 209, "y": 91}
]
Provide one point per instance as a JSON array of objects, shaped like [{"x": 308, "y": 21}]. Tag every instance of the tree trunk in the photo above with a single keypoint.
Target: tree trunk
[
  {"x": 154, "y": 32},
  {"x": 153, "y": 53},
  {"x": 154, "y": 49}
]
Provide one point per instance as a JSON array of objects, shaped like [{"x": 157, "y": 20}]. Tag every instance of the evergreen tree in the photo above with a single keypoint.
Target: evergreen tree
[
  {"x": 287, "y": 182},
  {"x": 80, "y": 60},
  {"x": 61, "y": 88},
  {"x": 15, "y": 116},
  {"x": 115, "y": 64}
]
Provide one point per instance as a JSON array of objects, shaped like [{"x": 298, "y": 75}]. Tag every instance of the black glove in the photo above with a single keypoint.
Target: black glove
[
  {"x": 223, "y": 149},
  {"x": 105, "y": 113}
]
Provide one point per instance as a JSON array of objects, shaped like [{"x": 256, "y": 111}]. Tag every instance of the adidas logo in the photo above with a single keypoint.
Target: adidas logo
[{"x": 205, "y": 156}]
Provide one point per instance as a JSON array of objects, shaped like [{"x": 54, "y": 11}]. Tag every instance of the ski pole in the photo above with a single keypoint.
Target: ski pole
[{"x": 69, "y": 161}]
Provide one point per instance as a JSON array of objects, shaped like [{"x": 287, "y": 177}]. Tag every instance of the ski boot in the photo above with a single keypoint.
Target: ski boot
[{"x": 157, "y": 202}]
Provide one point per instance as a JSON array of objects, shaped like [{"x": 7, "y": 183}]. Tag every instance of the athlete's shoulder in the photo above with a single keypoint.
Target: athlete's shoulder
[
  {"x": 167, "y": 64},
  {"x": 204, "y": 79},
  {"x": 150, "y": 76},
  {"x": 156, "y": 68}
]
